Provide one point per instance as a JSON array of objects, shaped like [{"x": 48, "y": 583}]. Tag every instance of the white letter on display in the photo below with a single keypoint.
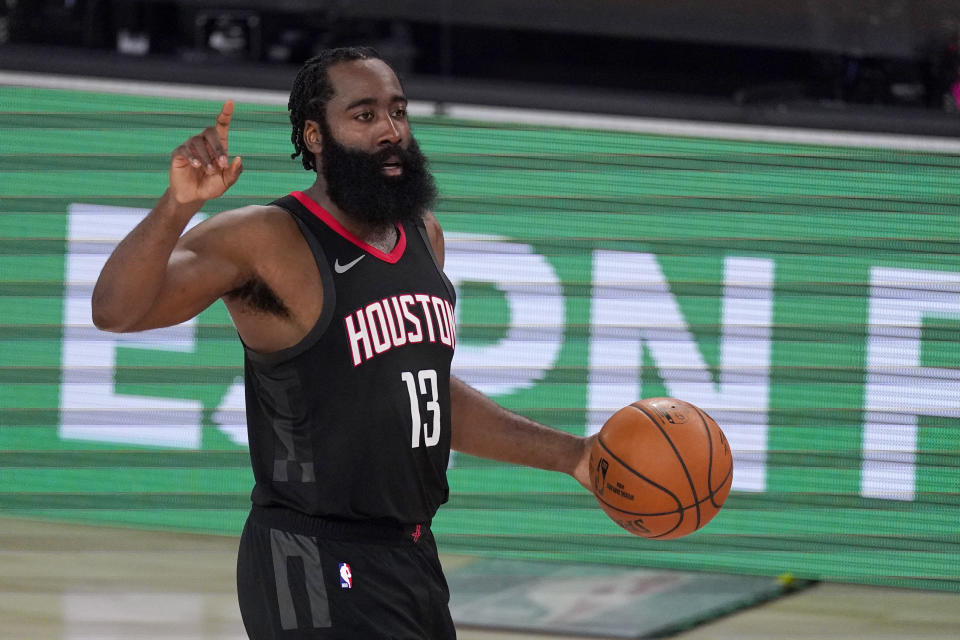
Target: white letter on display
[
  {"x": 633, "y": 308},
  {"x": 90, "y": 407},
  {"x": 537, "y": 312},
  {"x": 898, "y": 388}
]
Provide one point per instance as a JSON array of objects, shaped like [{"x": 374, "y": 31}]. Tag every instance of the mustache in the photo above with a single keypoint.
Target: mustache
[{"x": 388, "y": 151}]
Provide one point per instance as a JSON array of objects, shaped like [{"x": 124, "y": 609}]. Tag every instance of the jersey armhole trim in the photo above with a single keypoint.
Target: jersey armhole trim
[
  {"x": 422, "y": 229},
  {"x": 326, "y": 312}
]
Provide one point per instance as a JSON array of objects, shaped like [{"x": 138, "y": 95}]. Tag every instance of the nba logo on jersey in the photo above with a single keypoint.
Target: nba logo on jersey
[{"x": 346, "y": 578}]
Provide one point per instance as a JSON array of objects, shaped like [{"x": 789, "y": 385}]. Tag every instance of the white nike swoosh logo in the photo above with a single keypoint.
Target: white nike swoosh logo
[{"x": 343, "y": 268}]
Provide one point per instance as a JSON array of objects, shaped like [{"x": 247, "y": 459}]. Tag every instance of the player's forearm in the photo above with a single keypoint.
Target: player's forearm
[
  {"x": 485, "y": 429},
  {"x": 132, "y": 277}
]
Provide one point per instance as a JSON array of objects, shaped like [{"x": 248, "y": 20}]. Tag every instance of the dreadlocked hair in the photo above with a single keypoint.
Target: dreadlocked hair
[{"x": 312, "y": 90}]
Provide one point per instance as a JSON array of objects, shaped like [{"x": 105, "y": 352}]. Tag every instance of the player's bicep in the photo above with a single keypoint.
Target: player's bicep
[{"x": 199, "y": 271}]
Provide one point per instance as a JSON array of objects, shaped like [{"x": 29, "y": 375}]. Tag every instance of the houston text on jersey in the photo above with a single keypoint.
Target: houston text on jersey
[{"x": 393, "y": 322}]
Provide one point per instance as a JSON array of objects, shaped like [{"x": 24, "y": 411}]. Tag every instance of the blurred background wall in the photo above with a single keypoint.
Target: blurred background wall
[
  {"x": 881, "y": 65},
  {"x": 801, "y": 286}
]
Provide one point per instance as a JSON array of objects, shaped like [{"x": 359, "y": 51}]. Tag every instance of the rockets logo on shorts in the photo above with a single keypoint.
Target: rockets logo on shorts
[{"x": 346, "y": 577}]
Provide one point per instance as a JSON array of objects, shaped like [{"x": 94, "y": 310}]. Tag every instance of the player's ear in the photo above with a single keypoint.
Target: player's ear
[{"x": 312, "y": 137}]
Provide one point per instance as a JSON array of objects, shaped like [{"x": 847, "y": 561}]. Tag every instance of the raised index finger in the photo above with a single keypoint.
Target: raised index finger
[{"x": 223, "y": 122}]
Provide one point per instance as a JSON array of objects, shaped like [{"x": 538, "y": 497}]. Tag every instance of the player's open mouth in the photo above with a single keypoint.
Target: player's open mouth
[{"x": 393, "y": 167}]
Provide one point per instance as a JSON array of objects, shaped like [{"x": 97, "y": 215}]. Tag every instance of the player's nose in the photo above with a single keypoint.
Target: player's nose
[{"x": 390, "y": 133}]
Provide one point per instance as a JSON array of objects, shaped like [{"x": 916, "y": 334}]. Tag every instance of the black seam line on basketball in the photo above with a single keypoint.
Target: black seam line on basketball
[
  {"x": 645, "y": 479},
  {"x": 706, "y": 428},
  {"x": 683, "y": 464},
  {"x": 639, "y": 475},
  {"x": 666, "y": 513}
]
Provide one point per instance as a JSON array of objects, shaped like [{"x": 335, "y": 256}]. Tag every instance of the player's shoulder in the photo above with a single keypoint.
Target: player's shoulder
[
  {"x": 430, "y": 221},
  {"x": 258, "y": 221},
  {"x": 243, "y": 232},
  {"x": 253, "y": 214},
  {"x": 435, "y": 233},
  {"x": 434, "y": 230}
]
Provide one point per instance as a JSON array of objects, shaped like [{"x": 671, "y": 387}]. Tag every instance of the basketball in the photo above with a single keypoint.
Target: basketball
[{"x": 661, "y": 468}]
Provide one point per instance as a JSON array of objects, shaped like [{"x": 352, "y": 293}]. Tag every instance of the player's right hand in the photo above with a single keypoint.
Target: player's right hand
[{"x": 199, "y": 168}]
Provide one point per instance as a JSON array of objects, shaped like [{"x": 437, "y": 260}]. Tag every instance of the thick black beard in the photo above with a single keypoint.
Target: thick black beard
[{"x": 356, "y": 183}]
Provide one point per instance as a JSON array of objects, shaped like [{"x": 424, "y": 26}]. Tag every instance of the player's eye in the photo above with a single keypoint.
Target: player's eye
[
  {"x": 400, "y": 113},
  {"x": 364, "y": 116}
]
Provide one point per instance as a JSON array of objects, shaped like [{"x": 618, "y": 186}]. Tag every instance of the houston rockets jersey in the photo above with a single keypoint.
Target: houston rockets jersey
[{"x": 353, "y": 421}]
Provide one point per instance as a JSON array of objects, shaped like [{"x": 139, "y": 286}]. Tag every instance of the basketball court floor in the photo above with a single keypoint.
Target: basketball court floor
[{"x": 78, "y": 582}]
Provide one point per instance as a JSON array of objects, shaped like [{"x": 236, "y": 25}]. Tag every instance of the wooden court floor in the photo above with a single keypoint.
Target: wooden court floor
[{"x": 76, "y": 582}]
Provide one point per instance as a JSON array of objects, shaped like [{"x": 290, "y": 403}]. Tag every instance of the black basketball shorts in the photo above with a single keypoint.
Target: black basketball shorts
[{"x": 302, "y": 577}]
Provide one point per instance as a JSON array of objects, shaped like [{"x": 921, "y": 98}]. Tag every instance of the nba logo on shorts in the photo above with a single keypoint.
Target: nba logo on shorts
[{"x": 346, "y": 578}]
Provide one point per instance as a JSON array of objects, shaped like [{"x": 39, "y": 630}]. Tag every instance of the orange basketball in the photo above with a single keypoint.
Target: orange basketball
[{"x": 661, "y": 468}]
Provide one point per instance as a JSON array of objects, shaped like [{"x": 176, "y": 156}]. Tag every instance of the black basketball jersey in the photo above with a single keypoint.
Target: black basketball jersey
[{"x": 354, "y": 421}]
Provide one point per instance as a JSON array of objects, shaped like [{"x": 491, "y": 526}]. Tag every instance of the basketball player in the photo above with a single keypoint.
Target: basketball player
[{"x": 346, "y": 320}]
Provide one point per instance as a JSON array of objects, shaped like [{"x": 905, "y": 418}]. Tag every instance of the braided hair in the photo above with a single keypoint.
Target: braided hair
[{"x": 311, "y": 92}]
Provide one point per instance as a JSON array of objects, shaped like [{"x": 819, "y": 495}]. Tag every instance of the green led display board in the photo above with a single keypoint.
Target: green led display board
[{"x": 807, "y": 296}]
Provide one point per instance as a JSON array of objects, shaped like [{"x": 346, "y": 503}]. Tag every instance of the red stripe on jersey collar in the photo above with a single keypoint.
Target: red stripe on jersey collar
[{"x": 332, "y": 222}]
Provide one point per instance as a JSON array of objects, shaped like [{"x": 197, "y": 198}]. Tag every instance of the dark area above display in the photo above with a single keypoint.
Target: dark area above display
[{"x": 888, "y": 66}]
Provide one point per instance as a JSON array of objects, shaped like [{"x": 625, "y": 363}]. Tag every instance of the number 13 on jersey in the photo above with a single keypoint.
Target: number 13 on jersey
[{"x": 427, "y": 379}]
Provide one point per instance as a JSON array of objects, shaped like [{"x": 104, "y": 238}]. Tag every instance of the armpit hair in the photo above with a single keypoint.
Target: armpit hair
[{"x": 260, "y": 297}]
